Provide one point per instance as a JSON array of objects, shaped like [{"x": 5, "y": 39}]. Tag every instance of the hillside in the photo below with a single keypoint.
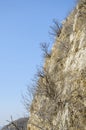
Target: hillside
[
  {"x": 20, "y": 123},
  {"x": 60, "y": 99}
]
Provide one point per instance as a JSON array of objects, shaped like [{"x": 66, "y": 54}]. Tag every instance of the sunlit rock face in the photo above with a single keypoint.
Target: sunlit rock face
[{"x": 63, "y": 106}]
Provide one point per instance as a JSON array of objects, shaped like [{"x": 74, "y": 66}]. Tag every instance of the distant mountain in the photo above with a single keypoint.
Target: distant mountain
[
  {"x": 0, "y": 127},
  {"x": 20, "y": 124}
]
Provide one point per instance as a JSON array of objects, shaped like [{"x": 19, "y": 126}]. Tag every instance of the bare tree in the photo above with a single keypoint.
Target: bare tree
[
  {"x": 13, "y": 123},
  {"x": 19, "y": 124},
  {"x": 55, "y": 29},
  {"x": 45, "y": 49},
  {"x": 28, "y": 97}
]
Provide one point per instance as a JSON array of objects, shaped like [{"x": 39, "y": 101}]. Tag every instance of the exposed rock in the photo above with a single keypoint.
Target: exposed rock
[{"x": 61, "y": 103}]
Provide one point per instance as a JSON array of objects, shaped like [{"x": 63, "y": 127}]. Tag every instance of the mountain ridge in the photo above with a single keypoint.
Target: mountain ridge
[
  {"x": 60, "y": 99},
  {"x": 20, "y": 123}
]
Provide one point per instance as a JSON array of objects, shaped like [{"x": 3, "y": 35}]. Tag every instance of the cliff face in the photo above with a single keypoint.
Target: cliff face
[{"x": 60, "y": 100}]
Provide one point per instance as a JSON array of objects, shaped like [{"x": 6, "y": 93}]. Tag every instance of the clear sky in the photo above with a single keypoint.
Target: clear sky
[{"x": 24, "y": 24}]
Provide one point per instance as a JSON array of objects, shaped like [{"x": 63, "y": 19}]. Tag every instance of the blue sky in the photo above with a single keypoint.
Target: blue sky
[{"x": 24, "y": 24}]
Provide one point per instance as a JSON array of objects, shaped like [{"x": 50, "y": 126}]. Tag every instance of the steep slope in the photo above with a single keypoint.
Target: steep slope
[{"x": 60, "y": 100}]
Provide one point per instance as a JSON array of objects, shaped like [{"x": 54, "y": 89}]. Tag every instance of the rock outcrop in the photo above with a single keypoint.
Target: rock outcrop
[{"x": 60, "y": 100}]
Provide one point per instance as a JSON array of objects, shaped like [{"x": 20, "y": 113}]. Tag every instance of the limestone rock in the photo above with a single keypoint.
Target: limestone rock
[{"x": 64, "y": 105}]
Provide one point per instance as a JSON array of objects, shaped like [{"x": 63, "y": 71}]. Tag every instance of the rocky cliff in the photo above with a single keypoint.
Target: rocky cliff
[{"x": 60, "y": 99}]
